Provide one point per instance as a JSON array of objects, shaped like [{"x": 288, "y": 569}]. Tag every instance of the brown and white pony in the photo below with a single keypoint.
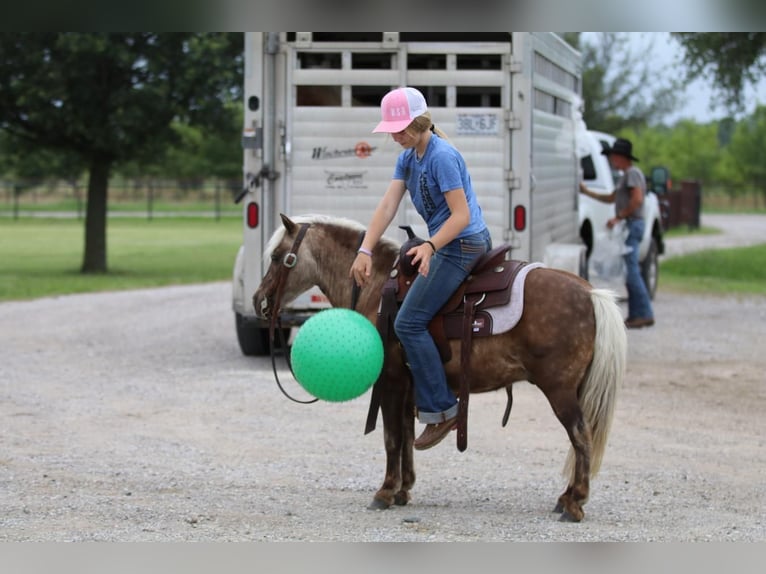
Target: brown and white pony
[{"x": 570, "y": 342}]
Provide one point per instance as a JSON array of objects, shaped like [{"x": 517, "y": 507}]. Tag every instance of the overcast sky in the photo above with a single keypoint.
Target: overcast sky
[{"x": 695, "y": 103}]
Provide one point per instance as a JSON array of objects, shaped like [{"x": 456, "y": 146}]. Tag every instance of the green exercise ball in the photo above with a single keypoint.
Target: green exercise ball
[{"x": 337, "y": 355}]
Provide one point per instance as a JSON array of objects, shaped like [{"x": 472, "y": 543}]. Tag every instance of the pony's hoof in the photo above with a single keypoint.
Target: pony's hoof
[
  {"x": 378, "y": 504},
  {"x": 401, "y": 498},
  {"x": 570, "y": 510},
  {"x": 566, "y": 517}
]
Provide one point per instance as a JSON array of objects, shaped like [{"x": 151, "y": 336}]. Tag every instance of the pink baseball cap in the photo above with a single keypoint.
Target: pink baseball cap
[{"x": 398, "y": 108}]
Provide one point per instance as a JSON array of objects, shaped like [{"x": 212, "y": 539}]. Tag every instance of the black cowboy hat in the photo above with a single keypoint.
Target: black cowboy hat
[{"x": 621, "y": 147}]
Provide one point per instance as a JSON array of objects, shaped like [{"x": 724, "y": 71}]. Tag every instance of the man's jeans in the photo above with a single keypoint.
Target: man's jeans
[
  {"x": 449, "y": 266},
  {"x": 639, "y": 304}
]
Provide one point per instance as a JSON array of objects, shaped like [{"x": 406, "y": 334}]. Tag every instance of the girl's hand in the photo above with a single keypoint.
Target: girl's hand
[
  {"x": 421, "y": 253},
  {"x": 361, "y": 269}
]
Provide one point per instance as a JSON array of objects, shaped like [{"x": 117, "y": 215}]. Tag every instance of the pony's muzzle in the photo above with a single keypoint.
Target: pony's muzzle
[
  {"x": 265, "y": 307},
  {"x": 262, "y": 308}
]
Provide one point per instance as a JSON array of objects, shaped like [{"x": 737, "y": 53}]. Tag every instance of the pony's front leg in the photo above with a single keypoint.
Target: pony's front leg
[{"x": 398, "y": 436}]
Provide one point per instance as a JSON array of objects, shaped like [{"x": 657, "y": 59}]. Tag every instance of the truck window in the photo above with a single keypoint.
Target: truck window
[{"x": 588, "y": 169}]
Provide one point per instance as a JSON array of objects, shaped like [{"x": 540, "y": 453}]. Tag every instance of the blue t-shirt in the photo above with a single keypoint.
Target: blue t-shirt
[{"x": 441, "y": 169}]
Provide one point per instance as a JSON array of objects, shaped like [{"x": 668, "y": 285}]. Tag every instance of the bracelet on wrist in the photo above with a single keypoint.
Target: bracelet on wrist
[
  {"x": 365, "y": 251},
  {"x": 431, "y": 244}
]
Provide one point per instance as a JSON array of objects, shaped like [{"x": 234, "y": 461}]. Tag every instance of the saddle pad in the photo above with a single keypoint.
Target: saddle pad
[{"x": 505, "y": 317}]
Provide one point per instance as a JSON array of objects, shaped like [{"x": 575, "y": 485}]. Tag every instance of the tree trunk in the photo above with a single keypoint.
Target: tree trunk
[{"x": 94, "y": 259}]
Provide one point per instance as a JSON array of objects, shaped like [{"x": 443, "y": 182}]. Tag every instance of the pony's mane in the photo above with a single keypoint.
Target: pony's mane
[{"x": 313, "y": 219}]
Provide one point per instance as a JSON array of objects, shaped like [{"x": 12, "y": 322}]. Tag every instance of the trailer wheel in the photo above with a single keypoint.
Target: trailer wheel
[
  {"x": 650, "y": 269},
  {"x": 253, "y": 339}
]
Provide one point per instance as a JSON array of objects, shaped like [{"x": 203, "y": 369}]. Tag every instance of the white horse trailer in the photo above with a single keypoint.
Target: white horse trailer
[{"x": 506, "y": 100}]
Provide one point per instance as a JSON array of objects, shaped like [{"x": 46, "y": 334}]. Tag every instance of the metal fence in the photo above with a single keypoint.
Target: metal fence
[{"x": 148, "y": 197}]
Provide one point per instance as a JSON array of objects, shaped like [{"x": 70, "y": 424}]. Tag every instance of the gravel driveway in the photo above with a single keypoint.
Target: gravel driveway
[{"x": 132, "y": 416}]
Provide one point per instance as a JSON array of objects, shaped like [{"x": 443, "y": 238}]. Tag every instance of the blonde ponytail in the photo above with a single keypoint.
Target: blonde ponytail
[{"x": 423, "y": 123}]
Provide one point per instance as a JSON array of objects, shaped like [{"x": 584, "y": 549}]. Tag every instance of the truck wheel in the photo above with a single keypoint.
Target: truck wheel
[
  {"x": 650, "y": 269},
  {"x": 584, "y": 265},
  {"x": 253, "y": 339}
]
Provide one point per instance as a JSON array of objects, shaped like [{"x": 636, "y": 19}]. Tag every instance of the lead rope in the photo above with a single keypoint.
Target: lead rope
[{"x": 276, "y": 320}]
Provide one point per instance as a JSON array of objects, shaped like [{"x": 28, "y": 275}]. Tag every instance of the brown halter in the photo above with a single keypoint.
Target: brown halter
[{"x": 288, "y": 262}]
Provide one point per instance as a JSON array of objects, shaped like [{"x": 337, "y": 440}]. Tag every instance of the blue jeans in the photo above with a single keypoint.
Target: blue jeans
[
  {"x": 449, "y": 266},
  {"x": 639, "y": 304}
]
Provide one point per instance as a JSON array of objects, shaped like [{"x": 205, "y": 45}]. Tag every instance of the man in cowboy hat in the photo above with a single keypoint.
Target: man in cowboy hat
[{"x": 628, "y": 197}]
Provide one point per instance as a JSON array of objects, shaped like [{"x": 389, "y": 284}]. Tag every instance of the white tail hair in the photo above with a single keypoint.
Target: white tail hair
[{"x": 605, "y": 376}]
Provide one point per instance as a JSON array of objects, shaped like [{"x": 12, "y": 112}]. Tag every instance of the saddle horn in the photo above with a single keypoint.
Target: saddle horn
[{"x": 405, "y": 261}]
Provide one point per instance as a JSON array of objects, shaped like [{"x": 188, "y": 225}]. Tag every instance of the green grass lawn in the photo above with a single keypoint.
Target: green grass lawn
[
  {"x": 683, "y": 231},
  {"x": 41, "y": 257},
  {"x": 740, "y": 270}
]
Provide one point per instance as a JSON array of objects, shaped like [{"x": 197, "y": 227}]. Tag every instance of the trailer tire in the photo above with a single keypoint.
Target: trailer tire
[{"x": 253, "y": 339}]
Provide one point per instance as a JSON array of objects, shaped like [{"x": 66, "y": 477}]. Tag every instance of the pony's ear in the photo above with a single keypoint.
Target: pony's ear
[{"x": 288, "y": 223}]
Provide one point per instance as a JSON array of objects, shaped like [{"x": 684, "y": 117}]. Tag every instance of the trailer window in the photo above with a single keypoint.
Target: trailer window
[
  {"x": 427, "y": 61},
  {"x": 436, "y": 96},
  {"x": 454, "y": 36},
  {"x": 549, "y": 103},
  {"x": 318, "y": 96},
  {"x": 346, "y": 36},
  {"x": 479, "y": 97},
  {"x": 556, "y": 73},
  {"x": 372, "y": 61},
  {"x": 367, "y": 96},
  {"x": 479, "y": 62},
  {"x": 319, "y": 60},
  {"x": 544, "y": 102}
]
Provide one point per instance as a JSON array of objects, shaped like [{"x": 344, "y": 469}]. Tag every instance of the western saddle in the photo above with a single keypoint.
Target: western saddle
[{"x": 463, "y": 317}]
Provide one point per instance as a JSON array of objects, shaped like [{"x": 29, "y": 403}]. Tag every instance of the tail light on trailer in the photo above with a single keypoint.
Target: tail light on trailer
[
  {"x": 252, "y": 215},
  {"x": 519, "y": 218}
]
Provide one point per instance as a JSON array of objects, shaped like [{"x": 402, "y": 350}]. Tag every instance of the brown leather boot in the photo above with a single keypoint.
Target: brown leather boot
[
  {"x": 639, "y": 322},
  {"x": 433, "y": 434}
]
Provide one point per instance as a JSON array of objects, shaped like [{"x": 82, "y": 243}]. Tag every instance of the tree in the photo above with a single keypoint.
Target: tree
[
  {"x": 690, "y": 150},
  {"x": 731, "y": 59},
  {"x": 622, "y": 89},
  {"x": 746, "y": 148},
  {"x": 111, "y": 98},
  {"x": 202, "y": 153}
]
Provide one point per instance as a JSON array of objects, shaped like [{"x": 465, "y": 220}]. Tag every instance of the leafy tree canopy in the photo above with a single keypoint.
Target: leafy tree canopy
[
  {"x": 111, "y": 98},
  {"x": 731, "y": 59},
  {"x": 113, "y": 95},
  {"x": 622, "y": 88}
]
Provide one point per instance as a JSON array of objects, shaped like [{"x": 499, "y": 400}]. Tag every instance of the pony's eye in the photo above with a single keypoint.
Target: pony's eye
[{"x": 274, "y": 257}]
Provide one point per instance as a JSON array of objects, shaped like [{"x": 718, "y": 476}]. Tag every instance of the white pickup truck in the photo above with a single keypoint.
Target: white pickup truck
[{"x": 593, "y": 214}]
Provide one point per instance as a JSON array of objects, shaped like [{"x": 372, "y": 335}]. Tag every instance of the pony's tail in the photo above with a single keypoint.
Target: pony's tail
[{"x": 605, "y": 376}]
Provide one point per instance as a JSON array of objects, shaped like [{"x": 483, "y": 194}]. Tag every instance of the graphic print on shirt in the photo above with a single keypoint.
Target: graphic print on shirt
[{"x": 425, "y": 196}]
